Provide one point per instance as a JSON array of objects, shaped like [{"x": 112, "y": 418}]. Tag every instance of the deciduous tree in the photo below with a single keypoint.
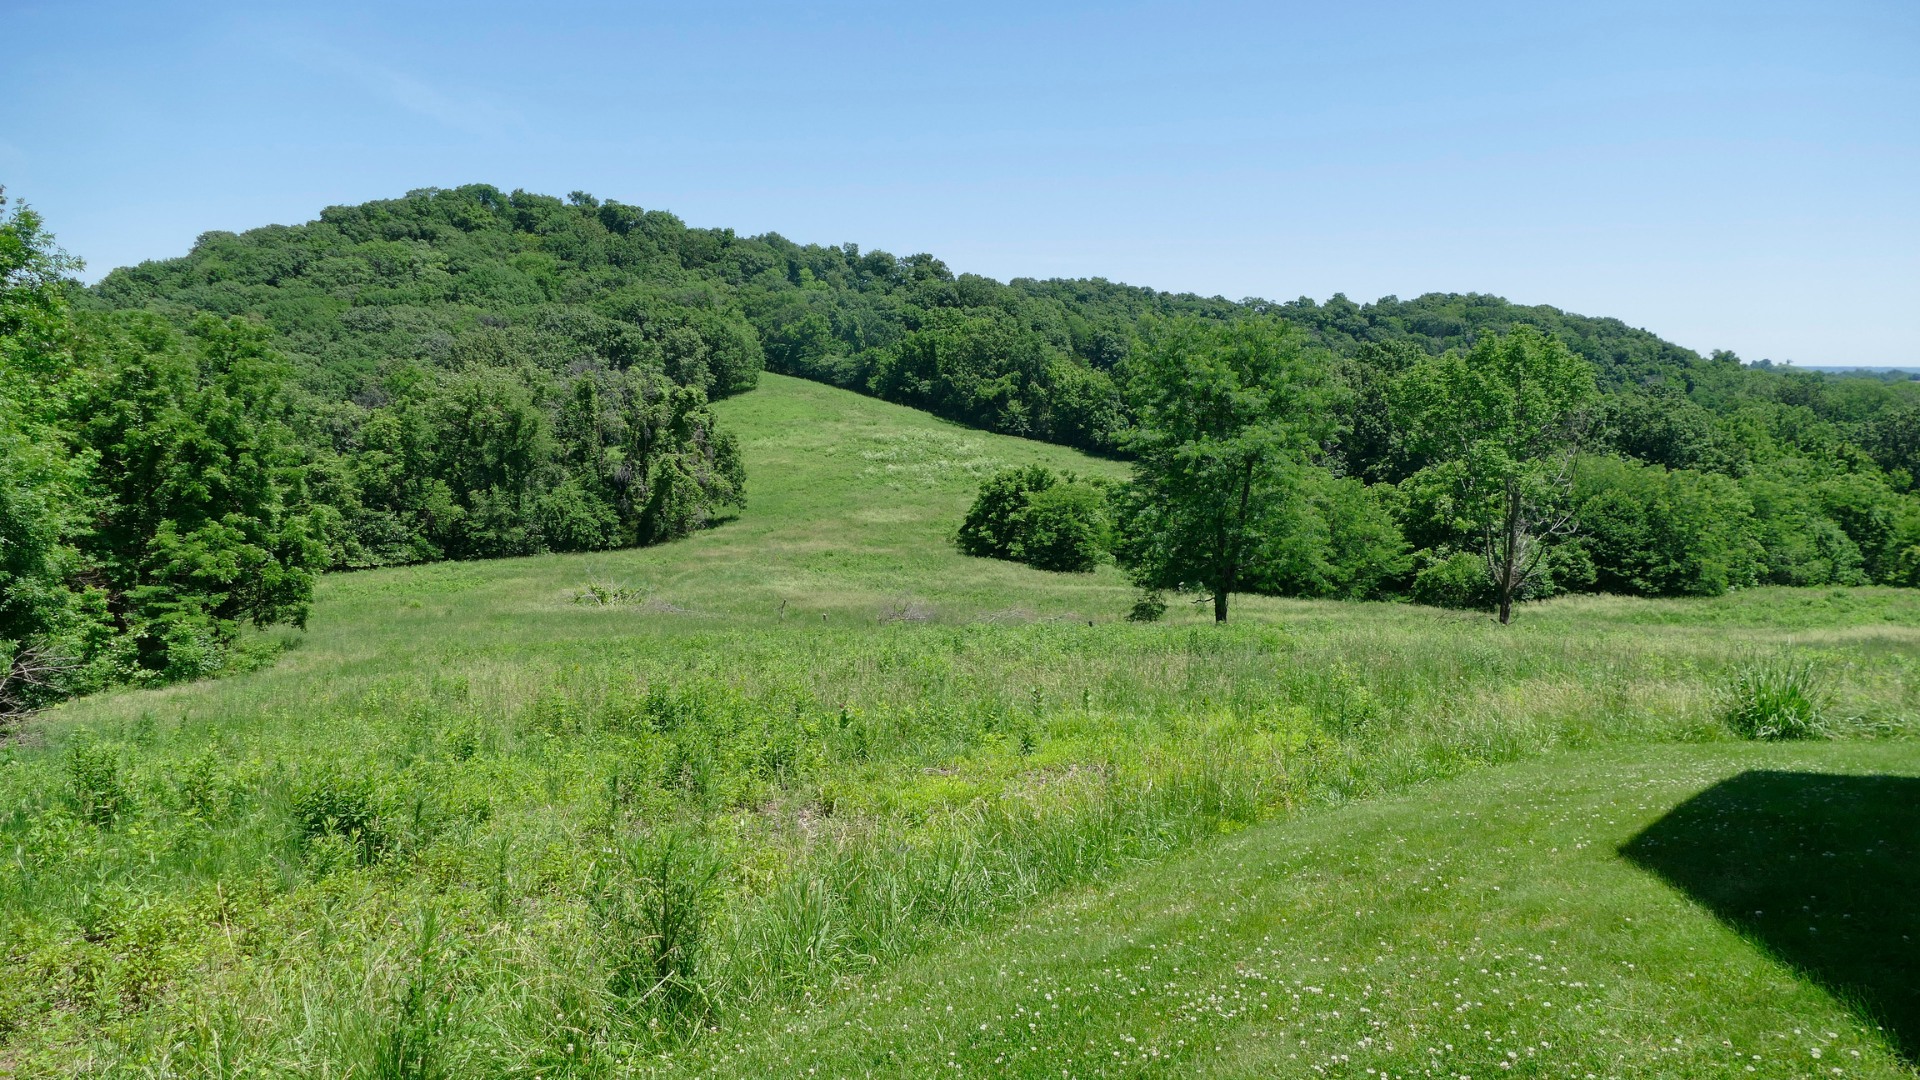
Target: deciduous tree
[
  {"x": 1502, "y": 424},
  {"x": 1227, "y": 414}
]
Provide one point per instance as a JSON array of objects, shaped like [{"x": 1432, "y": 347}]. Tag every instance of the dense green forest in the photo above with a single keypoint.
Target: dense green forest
[
  {"x": 181, "y": 465},
  {"x": 467, "y": 373}
]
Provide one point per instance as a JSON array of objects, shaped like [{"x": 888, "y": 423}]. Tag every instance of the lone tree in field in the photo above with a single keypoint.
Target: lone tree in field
[
  {"x": 1226, "y": 415},
  {"x": 1501, "y": 426}
]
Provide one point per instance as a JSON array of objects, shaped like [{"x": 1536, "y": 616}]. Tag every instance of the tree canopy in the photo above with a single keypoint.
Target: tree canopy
[
  {"x": 1226, "y": 414},
  {"x": 184, "y": 448},
  {"x": 390, "y": 314},
  {"x": 1501, "y": 425}
]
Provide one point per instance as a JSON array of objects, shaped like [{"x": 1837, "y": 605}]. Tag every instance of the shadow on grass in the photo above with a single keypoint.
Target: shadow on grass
[{"x": 1822, "y": 870}]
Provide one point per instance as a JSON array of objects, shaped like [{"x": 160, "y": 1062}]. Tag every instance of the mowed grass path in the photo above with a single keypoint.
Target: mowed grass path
[{"x": 1482, "y": 927}]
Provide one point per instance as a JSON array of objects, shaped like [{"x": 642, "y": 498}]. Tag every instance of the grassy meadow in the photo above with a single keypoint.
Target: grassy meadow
[{"x": 812, "y": 790}]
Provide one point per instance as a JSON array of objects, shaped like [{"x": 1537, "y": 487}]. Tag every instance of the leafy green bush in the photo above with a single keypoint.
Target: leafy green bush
[
  {"x": 1149, "y": 606},
  {"x": 1065, "y": 528},
  {"x": 992, "y": 526},
  {"x": 1777, "y": 699},
  {"x": 202, "y": 789},
  {"x": 346, "y": 808},
  {"x": 100, "y": 795},
  {"x": 1458, "y": 580},
  {"x": 1032, "y": 515}
]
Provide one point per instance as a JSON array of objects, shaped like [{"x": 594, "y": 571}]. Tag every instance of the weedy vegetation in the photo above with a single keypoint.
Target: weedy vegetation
[{"x": 1779, "y": 698}]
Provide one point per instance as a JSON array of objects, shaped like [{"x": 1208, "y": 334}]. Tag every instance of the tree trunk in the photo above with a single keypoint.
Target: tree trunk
[
  {"x": 1231, "y": 548},
  {"x": 1510, "y": 552}
]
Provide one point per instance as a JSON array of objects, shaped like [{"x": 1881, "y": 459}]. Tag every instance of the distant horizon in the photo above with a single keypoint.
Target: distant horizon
[{"x": 1849, "y": 367}]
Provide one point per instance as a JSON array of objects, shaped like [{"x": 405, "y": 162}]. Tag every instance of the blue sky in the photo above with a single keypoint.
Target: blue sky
[{"x": 1729, "y": 175}]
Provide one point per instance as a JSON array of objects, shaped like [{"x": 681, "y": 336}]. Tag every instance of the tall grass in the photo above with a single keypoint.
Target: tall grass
[
  {"x": 629, "y": 844},
  {"x": 1779, "y": 698}
]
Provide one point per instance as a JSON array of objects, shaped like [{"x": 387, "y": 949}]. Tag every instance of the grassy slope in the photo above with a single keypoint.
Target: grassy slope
[
  {"x": 1001, "y": 743},
  {"x": 850, "y": 505},
  {"x": 1463, "y": 930}
]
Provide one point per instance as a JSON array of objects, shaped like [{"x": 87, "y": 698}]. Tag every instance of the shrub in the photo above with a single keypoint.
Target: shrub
[
  {"x": 189, "y": 646},
  {"x": 1460, "y": 579},
  {"x": 202, "y": 789},
  {"x": 335, "y": 805},
  {"x": 993, "y": 524},
  {"x": 1032, "y": 515},
  {"x": 1777, "y": 699},
  {"x": 100, "y": 796},
  {"x": 1064, "y": 528},
  {"x": 1456, "y": 581},
  {"x": 1149, "y": 606}
]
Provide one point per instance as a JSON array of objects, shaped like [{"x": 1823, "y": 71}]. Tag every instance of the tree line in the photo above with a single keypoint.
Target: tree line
[
  {"x": 451, "y": 278},
  {"x": 1481, "y": 477},
  {"x": 443, "y": 277}
]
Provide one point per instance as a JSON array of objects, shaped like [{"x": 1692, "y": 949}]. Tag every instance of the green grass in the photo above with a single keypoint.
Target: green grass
[
  {"x": 477, "y": 822},
  {"x": 1483, "y": 927}
]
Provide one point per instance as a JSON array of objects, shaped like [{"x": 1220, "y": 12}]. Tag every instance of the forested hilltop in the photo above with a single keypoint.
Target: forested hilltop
[
  {"x": 452, "y": 279},
  {"x": 446, "y": 278},
  {"x": 184, "y": 448}
]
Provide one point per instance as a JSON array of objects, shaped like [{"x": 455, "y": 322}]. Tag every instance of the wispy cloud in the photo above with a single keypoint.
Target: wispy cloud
[{"x": 464, "y": 109}]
